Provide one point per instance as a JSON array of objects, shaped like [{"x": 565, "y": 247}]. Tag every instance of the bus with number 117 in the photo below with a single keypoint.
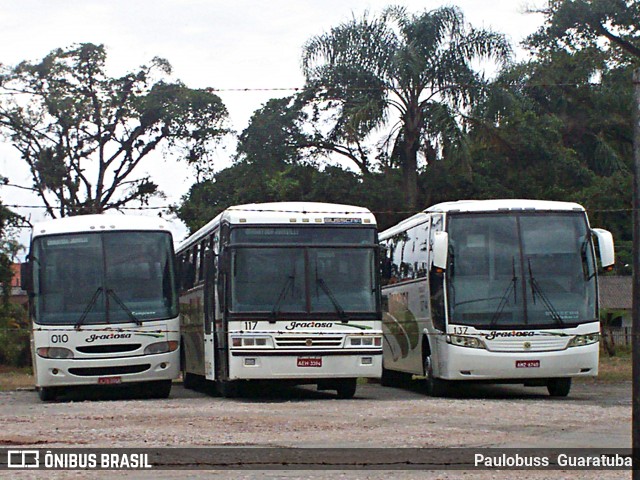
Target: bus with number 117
[{"x": 287, "y": 292}]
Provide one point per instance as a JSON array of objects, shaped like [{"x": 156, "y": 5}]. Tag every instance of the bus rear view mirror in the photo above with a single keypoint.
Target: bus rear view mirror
[
  {"x": 605, "y": 245},
  {"x": 26, "y": 277},
  {"x": 440, "y": 249}
]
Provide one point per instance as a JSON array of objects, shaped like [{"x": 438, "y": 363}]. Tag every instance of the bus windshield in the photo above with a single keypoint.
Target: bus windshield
[
  {"x": 303, "y": 271},
  {"x": 106, "y": 277},
  {"x": 523, "y": 270}
]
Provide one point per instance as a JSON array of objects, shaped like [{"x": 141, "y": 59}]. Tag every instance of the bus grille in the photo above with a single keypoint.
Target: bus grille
[
  {"x": 116, "y": 348},
  {"x": 308, "y": 341},
  {"x": 528, "y": 344},
  {"x": 99, "y": 371}
]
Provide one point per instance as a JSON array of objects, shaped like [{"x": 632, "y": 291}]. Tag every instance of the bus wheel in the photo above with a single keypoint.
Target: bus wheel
[
  {"x": 559, "y": 387},
  {"x": 228, "y": 389},
  {"x": 393, "y": 378},
  {"x": 47, "y": 394},
  {"x": 159, "y": 389},
  {"x": 189, "y": 380},
  {"x": 346, "y": 388},
  {"x": 436, "y": 387}
]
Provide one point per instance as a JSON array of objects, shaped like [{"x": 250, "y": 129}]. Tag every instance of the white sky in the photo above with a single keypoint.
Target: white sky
[{"x": 210, "y": 43}]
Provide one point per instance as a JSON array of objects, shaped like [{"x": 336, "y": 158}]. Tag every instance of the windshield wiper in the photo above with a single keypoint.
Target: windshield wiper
[
  {"x": 127, "y": 310},
  {"x": 88, "y": 308},
  {"x": 503, "y": 300},
  {"x": 334, "y": 301},
  {"x": 535, "y": 288},
  {"x": 276, "y": 306}
]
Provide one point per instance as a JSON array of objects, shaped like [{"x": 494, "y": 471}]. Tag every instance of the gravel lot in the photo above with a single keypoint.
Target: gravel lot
[{"x": 594, "y": 415}]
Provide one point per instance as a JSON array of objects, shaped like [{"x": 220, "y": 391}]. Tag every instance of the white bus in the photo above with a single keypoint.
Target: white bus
[
  {"x": 282, "y": 291},
  {"x": 104, "y": 303},
  {"x": 501, "y": 291}
]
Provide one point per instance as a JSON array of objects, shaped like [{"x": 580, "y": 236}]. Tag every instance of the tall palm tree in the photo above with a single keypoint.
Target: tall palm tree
[{"x": 414, "y": 69}]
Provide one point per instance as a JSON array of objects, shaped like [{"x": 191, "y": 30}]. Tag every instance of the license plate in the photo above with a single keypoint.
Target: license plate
[
  {"x": 527, "y": 363},
  {"x": 309, "y": 361},
  {"x": 109, "y": 380}
]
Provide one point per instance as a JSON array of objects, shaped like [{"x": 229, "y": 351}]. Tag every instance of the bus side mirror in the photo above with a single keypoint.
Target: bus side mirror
[
  {"x": 26, "y": 277},
  {"x": 605, "y": 245},
  {"x": 440, "y": 249}
]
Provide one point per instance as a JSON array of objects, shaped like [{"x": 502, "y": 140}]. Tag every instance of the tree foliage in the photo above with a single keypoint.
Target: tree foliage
[
  {"x": 84, "y": 134},
  {"x": 413, "y": 70},
  {"x": 573, "y": 25}
]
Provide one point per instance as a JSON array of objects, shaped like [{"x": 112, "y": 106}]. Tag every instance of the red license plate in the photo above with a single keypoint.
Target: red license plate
[
  {"x": 309, "y": 361},
  {"x": 527, "y": 363},
  {"x": 109, "y": 380}
]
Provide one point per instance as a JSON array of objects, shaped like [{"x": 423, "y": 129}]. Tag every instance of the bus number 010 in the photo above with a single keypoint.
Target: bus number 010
[{"x": 64, "y": 338}]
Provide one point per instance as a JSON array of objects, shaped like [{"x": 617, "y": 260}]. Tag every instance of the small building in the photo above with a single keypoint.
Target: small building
[
  {"x": 616, "y": 302},
  {"x": 18, "y": 295}
]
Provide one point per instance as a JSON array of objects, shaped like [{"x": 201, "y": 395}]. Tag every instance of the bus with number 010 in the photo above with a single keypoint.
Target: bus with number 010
[
  {"x": 497, "y": 291},
  {"x": 103, "y": 304},
  {"x": 281, "y": 291}
]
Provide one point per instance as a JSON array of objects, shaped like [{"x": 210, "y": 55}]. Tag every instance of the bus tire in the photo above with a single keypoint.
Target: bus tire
[
  {"x": 388, "y": 378},
  {"x": 189, "y": 380},
  {"x": 228, "y": 389},
  {"x": 346, "y": 388},
  {"x": 436, "y": 387},
  {"x": 47, "y": 394},
  {"x": 559, "y": 387},
  {"x": 393, "y": 378},
  {"x": 159, "y": 389}
]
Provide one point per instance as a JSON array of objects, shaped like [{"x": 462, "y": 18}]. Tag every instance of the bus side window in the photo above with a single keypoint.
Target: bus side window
[
  {"x": 188, "y": 271},
  {"x": 209, "y": 263},
  {"x": 436, "y": 281},
  {"x": 385, "y": 263}
]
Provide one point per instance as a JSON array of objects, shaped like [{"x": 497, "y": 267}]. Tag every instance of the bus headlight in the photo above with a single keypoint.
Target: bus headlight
[
  {"x": 54, "y": 352},
  {"x": 462, "y": 341},
  {"x": 252, "y": 342},
  {"x": 160, "y": 347},
  {"x": 588, "y": 339},
  {"x": 364, "y": 341}
]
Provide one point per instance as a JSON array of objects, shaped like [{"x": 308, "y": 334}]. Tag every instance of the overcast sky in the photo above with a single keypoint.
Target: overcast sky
[{"x": 210, "y": 43}]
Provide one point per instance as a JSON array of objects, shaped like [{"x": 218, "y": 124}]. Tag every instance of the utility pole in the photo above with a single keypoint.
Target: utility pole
[{"x": 635, "y": 326}]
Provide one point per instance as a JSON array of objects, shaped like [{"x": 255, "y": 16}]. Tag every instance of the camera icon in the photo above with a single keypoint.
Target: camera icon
[{"x": 23, "y": 459}]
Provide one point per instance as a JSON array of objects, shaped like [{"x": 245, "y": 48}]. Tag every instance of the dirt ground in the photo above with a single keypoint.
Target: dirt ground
[{"x": 594, "y": 415}]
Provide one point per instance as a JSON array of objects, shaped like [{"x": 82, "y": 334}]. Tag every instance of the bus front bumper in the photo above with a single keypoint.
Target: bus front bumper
[
  {"x": 461, "y": 363},
  {"x": 108, "y": 371},
  {"x": 304, "y": 365}
]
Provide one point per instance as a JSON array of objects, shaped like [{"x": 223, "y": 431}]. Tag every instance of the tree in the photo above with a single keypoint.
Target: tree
[
  {"x": 275, "y": 163},
  {"x": 84, "y": 134},
  {"x": 573, "y": 25},
  {"x": 9, "y": 248},
  {"x": 415, "y": 67}
]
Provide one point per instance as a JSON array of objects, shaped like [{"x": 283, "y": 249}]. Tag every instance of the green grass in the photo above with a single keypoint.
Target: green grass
[{"x": 12, "y": 378}]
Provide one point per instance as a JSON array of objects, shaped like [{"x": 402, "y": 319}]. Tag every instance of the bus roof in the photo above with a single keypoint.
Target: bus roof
[
  {"x": 96, "y": 223},
  {"x": 503, "y": 204},
  {"x": 471, "y": 206},
  {"x": 283, "y": 213}
]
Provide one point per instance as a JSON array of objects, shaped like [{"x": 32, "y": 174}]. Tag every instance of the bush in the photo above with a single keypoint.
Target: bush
[{"x": 14, "y": 338}]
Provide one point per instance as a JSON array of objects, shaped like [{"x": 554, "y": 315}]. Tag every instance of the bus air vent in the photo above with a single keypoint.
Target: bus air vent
[
  {"x": 101, "y": 371},
  {"x": 115, "y": 348}
]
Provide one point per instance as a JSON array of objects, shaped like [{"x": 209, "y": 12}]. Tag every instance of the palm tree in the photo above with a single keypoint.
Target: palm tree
[{"x": 413, "y": 69}]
